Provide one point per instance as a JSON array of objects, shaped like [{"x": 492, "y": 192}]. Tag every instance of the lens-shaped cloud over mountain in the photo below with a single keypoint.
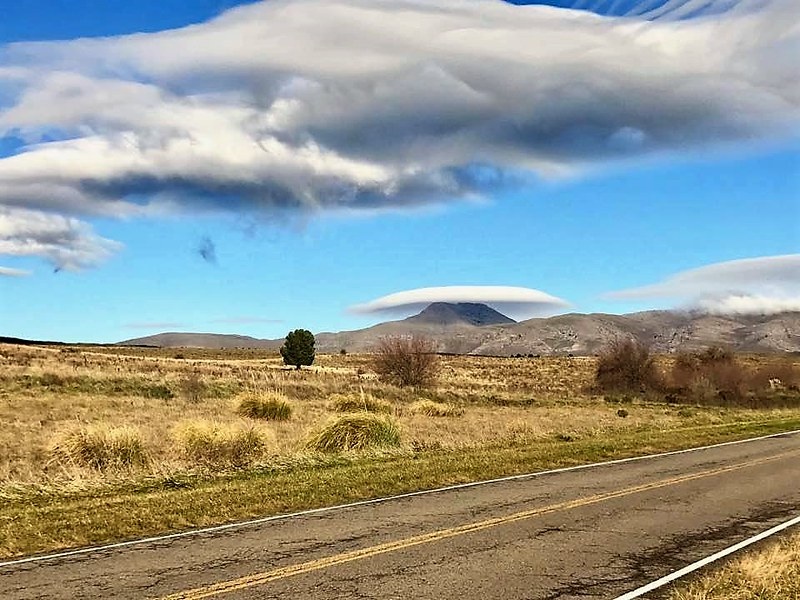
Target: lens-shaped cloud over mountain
[{"x": 513, "y": 301}]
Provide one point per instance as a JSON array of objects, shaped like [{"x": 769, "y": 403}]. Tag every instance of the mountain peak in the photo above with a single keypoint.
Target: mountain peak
[{"x": 467, "y": 313}]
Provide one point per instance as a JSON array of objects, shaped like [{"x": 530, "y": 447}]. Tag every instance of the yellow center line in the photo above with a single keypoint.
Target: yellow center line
[{"x": 346, "y": 557}]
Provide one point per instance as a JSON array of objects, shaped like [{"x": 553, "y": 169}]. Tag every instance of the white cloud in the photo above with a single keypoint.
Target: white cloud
[
  {"x": 516, "y": 301},
  {"x": 764, "y": 285},
  {"x": 274, "y": 106},
  {"x": 9, "y": 272},
  {"x": 66, "y": 242}
]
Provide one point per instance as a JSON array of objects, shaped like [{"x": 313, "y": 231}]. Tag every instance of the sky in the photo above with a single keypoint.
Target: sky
[{"x": 255, "y": 167}]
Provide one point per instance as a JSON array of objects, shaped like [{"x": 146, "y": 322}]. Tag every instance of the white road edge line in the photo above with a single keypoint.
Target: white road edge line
[
  {"x": 706, "y": 561},
  {"x": 316, "y": 511}
]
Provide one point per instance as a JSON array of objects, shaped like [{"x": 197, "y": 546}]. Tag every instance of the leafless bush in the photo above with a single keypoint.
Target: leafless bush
[
  {"x": 407, "y": 361},
  {"x": 627, "y": 366}
]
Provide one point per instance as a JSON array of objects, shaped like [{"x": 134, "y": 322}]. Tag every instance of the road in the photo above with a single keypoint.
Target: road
[{"x": 589, "y": 533}]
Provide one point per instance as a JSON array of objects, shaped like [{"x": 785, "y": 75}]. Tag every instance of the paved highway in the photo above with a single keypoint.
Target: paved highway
[{"x": 589, "y": 533}]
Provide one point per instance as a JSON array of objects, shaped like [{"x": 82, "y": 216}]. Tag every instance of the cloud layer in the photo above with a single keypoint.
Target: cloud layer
[
  {"x": 374, "y": 104},
  {"x": 514, "y": 301},
  {"x": 760, "y": 285}
]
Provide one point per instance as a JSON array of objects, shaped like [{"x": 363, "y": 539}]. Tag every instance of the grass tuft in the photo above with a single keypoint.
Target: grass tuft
[
  {"x": 357, "y": 403},
  {"x": 430, "y": 408},
  {"x": 356, "y": 431},
  {"x": 271, "y": 406},
  {"x": 99, "y": 447},
  {"x": 217, "y": 444}
]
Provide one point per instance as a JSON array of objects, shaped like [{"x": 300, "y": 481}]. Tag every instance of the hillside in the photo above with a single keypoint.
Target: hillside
[{"x": 478, "y": 329}]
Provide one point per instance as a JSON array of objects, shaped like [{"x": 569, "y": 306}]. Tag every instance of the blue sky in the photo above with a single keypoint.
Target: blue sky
[{"x": 587, "y": 230}]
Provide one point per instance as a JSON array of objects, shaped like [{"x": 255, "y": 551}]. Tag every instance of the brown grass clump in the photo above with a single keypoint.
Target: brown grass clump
[
  {"x": 769, "y": 574},
  {"x": 407, "y": 361},
  {"x": 99, "y": 447},
  {"x": 270, "y": 407},
  {"x": 358, "y": 403},
  {"x": 430, "y": 408},
  {"x": 218, "y": 444},
  {"x": 356, "y": 431},
  {"x": 627, "y": 366}
]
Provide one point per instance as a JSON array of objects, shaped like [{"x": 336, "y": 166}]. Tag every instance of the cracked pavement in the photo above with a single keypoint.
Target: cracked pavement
[{"x": 596, "y": 549}]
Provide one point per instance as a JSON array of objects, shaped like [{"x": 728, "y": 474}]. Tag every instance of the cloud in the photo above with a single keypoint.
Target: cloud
[
  {"x": 374, "y": 104},
  {"x": 763, "y": 285},
  {"x": 517, "y": 301},
  {"x": 155, "y": 325},
  {"x": 207, "y": 250},
  {"x": 9, "y": 272},
  {"x": 66, "y": 242},
  {"x": 245, "y": 320}
]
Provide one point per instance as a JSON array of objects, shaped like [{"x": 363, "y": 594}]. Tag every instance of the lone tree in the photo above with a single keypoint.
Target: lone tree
[{"x": 298, "y": 349}]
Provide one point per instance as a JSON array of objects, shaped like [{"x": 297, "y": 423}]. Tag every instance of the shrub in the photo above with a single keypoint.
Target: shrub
[
  {"x": 711, "y": 376},
  {"x": 622, "y": 413},
  {"x": 193, "y": 388},
  {"x": 270, "y": 407},
  {"x": 627, "y": 366},
  {"x": 356, "y": 431},
  {"x": 435, "y": 409},
  {"x": 362, "y": 402},
  {"x": 220, "y": 444},
  {"x": 100, "y": 447},
  {"x": 407, "y": 361}
]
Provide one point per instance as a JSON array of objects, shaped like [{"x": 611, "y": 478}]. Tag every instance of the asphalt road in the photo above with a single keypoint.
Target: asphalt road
[{"x": 592, "y": 533}]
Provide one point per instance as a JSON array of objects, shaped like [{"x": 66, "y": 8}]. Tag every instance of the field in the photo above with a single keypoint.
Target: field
[{"x": 127, "y": 441}]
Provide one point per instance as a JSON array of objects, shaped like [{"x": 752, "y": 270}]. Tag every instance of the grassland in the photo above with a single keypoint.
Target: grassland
[
  {"x": 768, "y": 573},
  {"x": 105, "y": 444}
]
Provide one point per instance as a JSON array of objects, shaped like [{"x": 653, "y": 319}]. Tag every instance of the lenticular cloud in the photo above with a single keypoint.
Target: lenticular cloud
[{"x": 368, "y": 105}]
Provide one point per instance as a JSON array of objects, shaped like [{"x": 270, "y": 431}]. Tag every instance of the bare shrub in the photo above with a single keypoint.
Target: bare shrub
[
  {"x": 357, "y": 403},
  {"x": 99, "y": 447},
  {"x": 356, "y": 431},
  {"x": 430, "y": 408},
  {"x": 407, "y": 361},
  {"x": 270, "y": 406},
  {"x": 627, "y": 366},
  {"x": 193, "y": 388},
  {"x": 217, "y": 444}
]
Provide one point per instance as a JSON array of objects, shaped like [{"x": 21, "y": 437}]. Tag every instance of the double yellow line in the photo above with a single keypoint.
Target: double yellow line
[{"x": 249, "y": 581}]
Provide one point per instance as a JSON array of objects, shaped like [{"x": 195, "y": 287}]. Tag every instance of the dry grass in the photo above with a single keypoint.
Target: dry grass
[
  {"x": 772, "y": 573},
  {"x": 356, "y": 431},
  {"x": 99, "y": 447},
  {"x": 221, "y": 445},
  {"x": 44, "y": 391},
  {"x": 358, "y": 402},
  {"x": 269, "y": 406},
  {"x": 430, "y": 408}
]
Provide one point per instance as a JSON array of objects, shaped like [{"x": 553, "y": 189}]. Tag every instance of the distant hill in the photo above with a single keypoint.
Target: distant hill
[
  {"x": 468, "y": 328},
  {"x": 201, "y": 340}
]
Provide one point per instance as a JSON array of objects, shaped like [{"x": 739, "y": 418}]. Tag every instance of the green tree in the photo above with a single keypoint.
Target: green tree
[{"x": 298, "y": 349}]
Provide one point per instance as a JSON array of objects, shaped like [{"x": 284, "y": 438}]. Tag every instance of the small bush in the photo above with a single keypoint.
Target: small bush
[
  {"x": 193, "y": 388},
  {"x": 357, "y": 403},
  {"x": 627, "y": 366},
  {"x": 435, "y": 409},
  {"x": 220, "y": 444},
  {"x": 270, "y": 407},
  {"x": 100, "y": 447},
  {"x": 356, "y": 431},
  {"x": 622, "y": 413},
  {"x": 407, "y": 361}
]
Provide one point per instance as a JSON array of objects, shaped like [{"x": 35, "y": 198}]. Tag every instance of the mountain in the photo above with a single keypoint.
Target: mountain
[
  {"x": 468, "y": 328},
  {"x": 462, "y": 313}
]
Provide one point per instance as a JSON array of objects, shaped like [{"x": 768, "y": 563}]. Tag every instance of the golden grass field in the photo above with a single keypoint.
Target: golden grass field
[
  {"x": 128, "y": 441},
  {"x": 48, "y": 393}
]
